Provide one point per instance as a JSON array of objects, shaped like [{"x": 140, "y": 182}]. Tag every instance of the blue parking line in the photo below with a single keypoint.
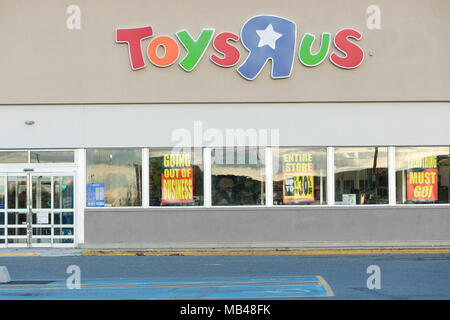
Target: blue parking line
[{"x": 236, "y": 288}]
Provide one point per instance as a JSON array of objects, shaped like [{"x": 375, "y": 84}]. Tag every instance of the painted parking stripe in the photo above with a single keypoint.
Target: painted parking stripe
[{"x": 238, "y": 288}]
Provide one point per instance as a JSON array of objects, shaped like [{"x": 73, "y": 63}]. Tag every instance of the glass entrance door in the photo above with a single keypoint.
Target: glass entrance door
[{"x": 37, "y": 209}]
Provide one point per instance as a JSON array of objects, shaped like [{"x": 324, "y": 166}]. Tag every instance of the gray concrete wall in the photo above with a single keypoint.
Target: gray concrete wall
[{"x": 266, "y": 227}]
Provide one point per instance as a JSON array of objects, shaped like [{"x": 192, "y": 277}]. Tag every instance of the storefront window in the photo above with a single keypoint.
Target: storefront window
[
  {"x": 17, "y": 192},
  {"x": 113, "y": 177},
  {"x": 361, "y": 175},
  {"x": 299, "y": 176},
  {"x": 176, "y": 177},
  {"x": 52, "y": 156},
  {"x": 422, "y": 174},
  {"x": 42, "y": 192},
  {"x": 237, "y": 176},
  {"x": 13, "y": 157},
  {"x": 63, "y": 192}
]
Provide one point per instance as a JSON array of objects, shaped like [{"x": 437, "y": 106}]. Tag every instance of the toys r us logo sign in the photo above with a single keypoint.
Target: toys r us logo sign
[{"x": 266, "y": 37}]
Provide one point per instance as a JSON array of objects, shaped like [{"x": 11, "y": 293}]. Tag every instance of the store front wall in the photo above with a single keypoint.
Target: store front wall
[
  {"x": 258, "y": 124},
  {"x": 350, "y": 201},
  {"x": 404, "y": 60}
]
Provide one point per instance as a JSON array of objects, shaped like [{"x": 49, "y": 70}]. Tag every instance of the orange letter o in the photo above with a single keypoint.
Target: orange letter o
[{"x": 171, "y": 53}]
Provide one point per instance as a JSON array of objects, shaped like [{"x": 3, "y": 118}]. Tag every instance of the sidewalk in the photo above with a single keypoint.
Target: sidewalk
[
  {"x": 42, "y": 252},
  {"x": 61, "y": 252},
  {"x": 356, "y": 248}
]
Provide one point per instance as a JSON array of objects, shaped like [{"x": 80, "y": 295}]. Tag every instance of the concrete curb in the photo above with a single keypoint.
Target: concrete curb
[
  {"x": 301, "y": 252},
  {"x": 39, "y": 252},
  {"x": 272, "y": 245}
]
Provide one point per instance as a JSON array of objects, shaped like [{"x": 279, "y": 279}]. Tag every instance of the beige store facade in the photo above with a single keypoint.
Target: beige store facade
[{"x": 95, "y": 96}]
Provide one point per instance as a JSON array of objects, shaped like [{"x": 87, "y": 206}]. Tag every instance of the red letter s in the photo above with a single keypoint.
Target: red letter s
[
  {"x": 230, "y": 52},
  {"x": 353, "y": 53}
]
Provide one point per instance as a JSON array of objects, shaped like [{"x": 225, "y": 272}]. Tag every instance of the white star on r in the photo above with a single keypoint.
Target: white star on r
[{"x": 268, "y": 37}]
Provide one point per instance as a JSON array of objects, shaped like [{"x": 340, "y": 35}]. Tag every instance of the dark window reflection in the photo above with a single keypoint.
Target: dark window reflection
[
  {"x": 42, "y": 232},
  {"x": 52, "y": 156},
  {"x": 120, "y": 171},
  {"x": 17, "y": 192},
  {"x": 63, "y": 192},
  {"x": 17, "y": 218},
  {"x": 13, "y": 157},
  {"x": 237, "y": 176},
  {"x": 361, "y": 175},
  {"x": 17, "y": 232},
  {"x": 42, "y": 192},
  {"x": 63, "y": 218}
]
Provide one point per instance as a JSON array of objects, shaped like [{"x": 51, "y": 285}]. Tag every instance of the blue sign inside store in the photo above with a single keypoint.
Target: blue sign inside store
[{"x": 95, "y": 195}]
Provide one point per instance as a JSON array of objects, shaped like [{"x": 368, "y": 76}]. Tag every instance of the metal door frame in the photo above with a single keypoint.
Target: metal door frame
[{"x": 29, "y": 171}]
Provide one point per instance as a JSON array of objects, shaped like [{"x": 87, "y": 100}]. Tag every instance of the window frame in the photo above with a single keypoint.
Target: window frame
[
  {"x": 85, "y": 181},
  {"x": 39, "y": 163},
  {"x": 394, "y": 168},
  {"x": 207, "y": 187},
  {"x": 147, "y": 187},
  {"x": 325, "y": 186}
]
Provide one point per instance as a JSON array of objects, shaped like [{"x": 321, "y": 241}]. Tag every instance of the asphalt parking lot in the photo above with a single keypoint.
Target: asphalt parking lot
[{"x": 403, "y": 276}]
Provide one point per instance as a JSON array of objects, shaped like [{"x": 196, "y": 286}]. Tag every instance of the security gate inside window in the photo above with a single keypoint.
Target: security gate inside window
[{"x": 37, "y": 209}]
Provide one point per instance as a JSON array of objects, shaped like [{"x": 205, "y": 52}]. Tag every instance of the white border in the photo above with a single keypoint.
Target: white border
[
  {"x": 145, "y": 184},
  {"x": 207, "y": 190},
  {"x": 269, "y": 176},
  {"x": 392, "y": 184},
  {"x": 330, "y": 178},
  {"x": 80, "y": 178}
]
